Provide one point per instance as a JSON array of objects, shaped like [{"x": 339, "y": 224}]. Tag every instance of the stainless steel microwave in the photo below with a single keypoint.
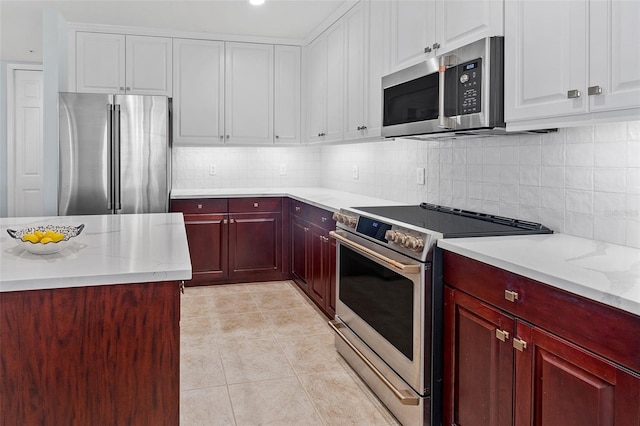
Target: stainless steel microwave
[{"x": 461, "y": 92}]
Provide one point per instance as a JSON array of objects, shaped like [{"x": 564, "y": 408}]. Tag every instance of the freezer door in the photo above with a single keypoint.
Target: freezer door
[
  {"x": 83, "y": 154},
  {"x": 144, "y": 154}
]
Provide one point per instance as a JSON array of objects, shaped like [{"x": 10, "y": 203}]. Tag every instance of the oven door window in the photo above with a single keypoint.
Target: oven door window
[
  {"x": 415, "y": 100},
  {"x": 380, "y": 296}
]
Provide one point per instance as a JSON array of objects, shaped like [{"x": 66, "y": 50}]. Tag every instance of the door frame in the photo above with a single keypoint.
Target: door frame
[{"x": 11, "y": 103}]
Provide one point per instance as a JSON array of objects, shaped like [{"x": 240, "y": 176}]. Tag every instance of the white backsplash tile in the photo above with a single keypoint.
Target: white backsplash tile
[{"x": 583, "y": 181}]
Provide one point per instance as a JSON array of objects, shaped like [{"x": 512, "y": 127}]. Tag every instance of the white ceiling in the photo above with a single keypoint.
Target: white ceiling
[{"x": 21, "y": 20}]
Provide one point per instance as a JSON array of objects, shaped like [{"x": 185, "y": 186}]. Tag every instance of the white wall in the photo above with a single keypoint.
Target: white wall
[{"x": 581, "y": 181}]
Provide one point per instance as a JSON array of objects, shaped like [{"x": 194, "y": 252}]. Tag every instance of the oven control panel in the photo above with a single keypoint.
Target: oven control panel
[{"x": 402, "y": 239}]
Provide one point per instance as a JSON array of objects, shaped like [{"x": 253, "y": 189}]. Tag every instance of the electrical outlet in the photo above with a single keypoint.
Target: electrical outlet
[
  {"x": 283, "y": 169},
  {"x": 355, "y": 173},
  {"x": 420, "y": 176},
  {"x": 212, "y": 169}
]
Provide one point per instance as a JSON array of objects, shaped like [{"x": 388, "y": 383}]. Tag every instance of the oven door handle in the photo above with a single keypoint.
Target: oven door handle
[
  {"x": 403, "y": 267},
  {"x": 405, "y": 396}
]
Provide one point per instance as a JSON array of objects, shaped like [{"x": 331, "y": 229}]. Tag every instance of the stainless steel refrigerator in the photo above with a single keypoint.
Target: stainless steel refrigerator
[{"x": 115, "y": 154}]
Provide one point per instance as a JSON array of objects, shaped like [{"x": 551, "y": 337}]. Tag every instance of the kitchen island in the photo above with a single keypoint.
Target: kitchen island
[{"x": 90, "y": 335}]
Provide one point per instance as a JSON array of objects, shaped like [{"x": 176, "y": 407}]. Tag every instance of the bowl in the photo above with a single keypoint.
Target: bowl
[{"x": 69, "y": 231}]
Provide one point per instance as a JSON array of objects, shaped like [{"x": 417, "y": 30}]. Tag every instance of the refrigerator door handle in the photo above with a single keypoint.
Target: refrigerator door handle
[
  {"x": 110, "y": 157},
  {"x": 116, "y": 158}
]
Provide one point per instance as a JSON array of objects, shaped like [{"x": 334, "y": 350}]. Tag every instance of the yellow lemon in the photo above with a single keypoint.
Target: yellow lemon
[
  {"x": 39, "y": 234},
  {"x": 30, "y": 237},
  {"x": 57, "y": 236},
  {"x": 45, "y": 240},
  {"x": 49, "y": 233}
]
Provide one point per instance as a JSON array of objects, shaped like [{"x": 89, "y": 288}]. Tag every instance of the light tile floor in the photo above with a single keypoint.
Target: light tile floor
[{"x": 263, "y": 354}]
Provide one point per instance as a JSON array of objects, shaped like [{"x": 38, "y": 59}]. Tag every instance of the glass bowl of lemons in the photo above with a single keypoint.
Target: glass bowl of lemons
[{"x": 45, "y": 239}]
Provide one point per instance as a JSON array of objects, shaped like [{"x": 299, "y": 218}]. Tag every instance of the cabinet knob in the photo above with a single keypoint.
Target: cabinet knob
[
  {"x": 255, "y": 205},
  {"x": 572, "y": 94},
  {"x": 297, "y": 208},
  {"x": 519, "y": 344},
  {"x": 225, "y": 221},
  {"x": 594, "y": 90},
  {"x": 305, "y": 229},
  {"x": 227, "y": 136},
  {"x": 510, "y": 295},
  {"x": 277, "y": 136},
  {"x": 121, "y": 89},
  {"x": 427, "y": 49},
  {"x": 128, "y": 88},
  {"x": 502, "y": 335},
  {"x": 324, "y": 219},
  {"x": 436, "y": 45},
  {"x": 199, "y": 206},
  {"x": 221, "y": 137}
]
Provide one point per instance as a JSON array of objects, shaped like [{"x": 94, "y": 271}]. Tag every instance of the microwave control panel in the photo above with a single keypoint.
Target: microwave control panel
[{"x": 469, "y": 87}]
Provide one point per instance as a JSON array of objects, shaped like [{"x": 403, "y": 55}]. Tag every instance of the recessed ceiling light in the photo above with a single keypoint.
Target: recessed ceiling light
[{"x": 256, "y": 2}]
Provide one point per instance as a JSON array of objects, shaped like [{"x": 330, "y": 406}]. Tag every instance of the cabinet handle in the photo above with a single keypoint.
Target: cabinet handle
[
  {"x": 510, "y": 295},
  {"x": 321, "y": 134},
  {"x": 436, "y": 45},
  {"x": 427, "y": 49},
  {"x": 181, "y": 287},
  {"x": 519, "y": 344},
  {"x": 594, "y": 90},
  {"x": 572, "y": 94},
  {"x": 297, "y": 208},
  {"x": 502, "y": 335}
]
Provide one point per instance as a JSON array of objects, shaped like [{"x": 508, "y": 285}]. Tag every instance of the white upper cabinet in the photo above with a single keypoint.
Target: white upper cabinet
[
  {"x": 100, "y": 63},
  {"x": 286, "y": 114},
  {"x": 582, "y": 67},
  {"x": 116, "y": 63},
  {"x": 425, "y": 28},
  {"x": 325, "y": 85},
  {"x": 356, "y": 72},
  {"x": 614, "y": 54},
  {"x": 249, "y": 93},
  {"x": 198, "y": 102}
]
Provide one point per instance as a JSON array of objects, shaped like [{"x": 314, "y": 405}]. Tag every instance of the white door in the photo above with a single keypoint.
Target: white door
[
  {"x": 335, "y": 83},
  {"x": 25, "y": 144},
  {"x": 316, "y": 88},
  {"x": 198, "y": 86},
  {"x": 100, "y": 63},
  {"x": 248, "y": 93},
  {"x": 148, "y": 65},
  {"x": 412, "y": 30},
  {"x": 614, "y": 54},
  {"x": 544, "y": 68},
  {"x": 356, "y": 72},
  {"x": 459, "y": 23},
  {"x": 287, "y": 94}
]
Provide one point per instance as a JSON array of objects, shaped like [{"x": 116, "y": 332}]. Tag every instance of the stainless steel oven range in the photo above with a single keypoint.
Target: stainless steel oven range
[{"x": 389, "y": 303}]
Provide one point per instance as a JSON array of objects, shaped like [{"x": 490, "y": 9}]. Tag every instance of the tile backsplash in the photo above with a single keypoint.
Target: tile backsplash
[{"x": 582, "y": 181}]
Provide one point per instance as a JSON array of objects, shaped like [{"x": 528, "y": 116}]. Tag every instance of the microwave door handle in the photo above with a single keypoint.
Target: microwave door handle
[{"x": 444, "y": 122}]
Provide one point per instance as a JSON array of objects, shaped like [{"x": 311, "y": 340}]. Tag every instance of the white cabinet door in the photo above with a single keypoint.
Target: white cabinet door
[
  {"x": 356, "y": 72},
  {"x": 198, "y": 102},
  {"x": 542, "y": 67},
  {"x": 287, "y": 94},
  {"x": 148, "y": 65},
  {"x": 412, "y": 30},
  {"x": 614, "y": 54},
  {"x": 100, "y": 63},
  {"x": 316, "y": 100},
  {"x": 459, "y": 23},
  {"x": 249, "y": 93},
  {"x": 335, "y": 83}
]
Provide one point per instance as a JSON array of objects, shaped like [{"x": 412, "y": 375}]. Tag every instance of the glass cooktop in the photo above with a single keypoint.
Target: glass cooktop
[{"x": 454, "y": 223}]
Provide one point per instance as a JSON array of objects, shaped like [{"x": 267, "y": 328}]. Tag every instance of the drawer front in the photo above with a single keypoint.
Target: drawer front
[
  {"x": 257, "y": 204},
  {"x": 600, "y": 328},
  {"x": 200, "y": 205},
  {"x": 323, "y": 218},
  {"x": 300, "y": 209}
]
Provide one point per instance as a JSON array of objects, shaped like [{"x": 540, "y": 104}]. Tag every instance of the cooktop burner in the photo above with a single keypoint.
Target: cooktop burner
[{"x": 454, "y": 223}]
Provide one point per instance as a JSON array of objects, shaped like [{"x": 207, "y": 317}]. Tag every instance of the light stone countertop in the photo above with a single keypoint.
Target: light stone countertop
[
  {"x": 112, "y": 249},
  {"x": 324, "y": 198},
  {"x": 604, "y": 272},
  {"x": 600, "y": 271}
]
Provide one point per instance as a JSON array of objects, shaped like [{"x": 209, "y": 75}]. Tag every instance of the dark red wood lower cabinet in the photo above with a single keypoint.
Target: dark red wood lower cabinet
[
  {"x": 478, "y": 387},
  {"x": 558, "y": 383},
  {"x": 255, "y": 244},
  {"x": 299, "y": 254},
  {"x": 208, "y": 237},
  {"x": 101, "y": 355}
]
